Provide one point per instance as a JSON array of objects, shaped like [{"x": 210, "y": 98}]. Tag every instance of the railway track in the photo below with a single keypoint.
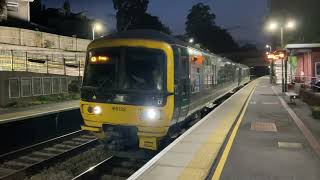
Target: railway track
[
  {"x": 14, "y": 165},
  {"x": 112, "y": 168}
]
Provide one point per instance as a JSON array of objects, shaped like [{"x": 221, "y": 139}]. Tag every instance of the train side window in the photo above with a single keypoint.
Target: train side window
[{"x": 209, "y": 72}]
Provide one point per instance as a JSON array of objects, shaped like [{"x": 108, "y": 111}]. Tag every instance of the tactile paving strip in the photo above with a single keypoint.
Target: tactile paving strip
[{"x": 263, "y": 126}]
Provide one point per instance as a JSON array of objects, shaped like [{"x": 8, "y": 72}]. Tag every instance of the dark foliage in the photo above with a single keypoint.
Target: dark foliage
[
  {"x": 132, "y": 14},
  {"x": 201, "y": 26},
  {"x": 306, "y": 14},
  {"x": 249, "y": 47},
  {"x": 66, "y": 6},
  {"x": 62, "y": 20},
  {"x": 74, "y": 86},
  {"x": 2, "y": 4}
]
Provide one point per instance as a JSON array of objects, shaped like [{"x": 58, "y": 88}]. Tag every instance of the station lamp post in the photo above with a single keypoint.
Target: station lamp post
[
  {"x": 96, "y": 27},
  {"x": 271, "y": 62},
  {"x": 289, "y": 25},
  {"x": 191, "y": 40}
]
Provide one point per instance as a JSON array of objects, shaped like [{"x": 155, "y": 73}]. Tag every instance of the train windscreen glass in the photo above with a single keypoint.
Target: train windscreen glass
[{"x": 126, "y": 69}]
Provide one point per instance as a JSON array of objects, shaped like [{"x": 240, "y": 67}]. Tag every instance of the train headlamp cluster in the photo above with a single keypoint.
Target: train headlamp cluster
[
  {"x": 150, "y": 114},
  {"x": 95, "y": 110}
]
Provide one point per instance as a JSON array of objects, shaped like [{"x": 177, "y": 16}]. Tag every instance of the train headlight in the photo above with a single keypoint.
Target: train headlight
[
  {"x": 151, "y": 114},
  {"x": 95, "y": 110}
]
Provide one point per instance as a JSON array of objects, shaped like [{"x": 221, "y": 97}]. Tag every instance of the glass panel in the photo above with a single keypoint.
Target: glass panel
[
  {"x": 55, "y": 85},
  {"x": 46, "y": 85},
  {"x": 26, "y": 87},
  {"x": 14, "y": 90},
  {"x": 143, "y": 69},
  {"x": 36, "y": 86},
  {"x": 102, "y": 75},
  {"x": 126, "y": 69},
  {"x": 318, "y": 69},
  {"x": 64, "y": 85}
]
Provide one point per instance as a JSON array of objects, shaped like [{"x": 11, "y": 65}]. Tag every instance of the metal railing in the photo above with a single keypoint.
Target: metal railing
[{"x": 62, "y": 64}]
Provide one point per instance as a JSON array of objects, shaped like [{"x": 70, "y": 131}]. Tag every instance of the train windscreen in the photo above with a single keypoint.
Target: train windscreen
[{"x": 126, "y": 69}]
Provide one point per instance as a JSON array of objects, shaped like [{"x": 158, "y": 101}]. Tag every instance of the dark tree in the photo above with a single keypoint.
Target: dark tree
[
  {"x": 35, "y": 10},
  {"x": 3, "y": 10},
  {"x": 2, "y": 6},
  {"x": 66, "y": 7},
  {"x": 305, "y": 13},
  {"x": 199, "y": 17},
  {"x": 148, "y": 21},
  {"x": 129, "y": 12},
  {"x": 132, "y": 14},
  {"x": 249, "y": 47},
  {"x": 201, "y": 26}
]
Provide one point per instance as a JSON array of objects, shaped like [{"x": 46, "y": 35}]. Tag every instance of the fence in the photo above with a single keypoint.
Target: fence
[
  {"x": 24, "y": 37},
  {"x": 37, "y": 86},
  {"x": 307, "y": 80},
  {"x": 62, "y": 64}
]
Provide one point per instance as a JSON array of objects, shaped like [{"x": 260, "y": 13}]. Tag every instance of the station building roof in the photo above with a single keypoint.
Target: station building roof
[{"x": 303, "y": 46}]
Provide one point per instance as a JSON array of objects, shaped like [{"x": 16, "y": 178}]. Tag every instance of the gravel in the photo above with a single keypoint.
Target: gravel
[{"x": 73, "y": 166}]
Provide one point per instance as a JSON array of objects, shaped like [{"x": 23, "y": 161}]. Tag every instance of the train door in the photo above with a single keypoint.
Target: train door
[
  {"x": 182, "y": 84},
  {"x": 239, "y": 76}
]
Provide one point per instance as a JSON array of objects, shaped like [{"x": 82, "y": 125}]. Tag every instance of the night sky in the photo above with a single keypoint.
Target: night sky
[{"x": 248, "y": 14}]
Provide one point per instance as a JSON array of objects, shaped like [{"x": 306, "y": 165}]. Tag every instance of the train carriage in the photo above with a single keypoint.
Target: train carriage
[{"x": 141, "y": 85}]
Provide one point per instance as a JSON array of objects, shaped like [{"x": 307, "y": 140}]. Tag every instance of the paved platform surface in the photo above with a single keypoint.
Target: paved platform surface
[
  {"x": 36, "y": 111},
  {"x": 266, "y": 141},
  {"x": 193, "y": 153},
  {"x": 260, "y": 152}
]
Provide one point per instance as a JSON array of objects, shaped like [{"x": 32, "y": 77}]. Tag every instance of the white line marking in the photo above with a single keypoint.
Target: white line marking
[
  {"x": 305, "y": 131},
  {"x": 253, "y": 102},
  {"x": 270, "y": 103},
  {"x": 144, "y": 168},
  {"x": 290, "y": 145}
]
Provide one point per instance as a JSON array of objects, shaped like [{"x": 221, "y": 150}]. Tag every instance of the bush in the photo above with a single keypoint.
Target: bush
[
  {"x": 316, "y": 112},
  {"x": 310, "y": 97},
  {"x": 74, "y": 86}
]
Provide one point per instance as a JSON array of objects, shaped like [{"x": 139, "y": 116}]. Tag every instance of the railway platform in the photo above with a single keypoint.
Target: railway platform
[
  {"x": 252, "y": 135},
  {"x": 18, "y": 114}
]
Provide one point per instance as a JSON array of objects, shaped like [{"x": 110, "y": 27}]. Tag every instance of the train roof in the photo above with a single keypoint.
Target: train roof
[
  {"x": 153, "y": 35},
  {"x": 146, "y": 34}
]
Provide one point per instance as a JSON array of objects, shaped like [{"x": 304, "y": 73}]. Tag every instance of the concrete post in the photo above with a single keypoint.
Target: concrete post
[
  {"x": 47, "y": 64},
  {"x": 286, "y": 75},
  {"x": 64, "y": 64},
  {"x": 79, "y": 66},
  {"x": 12, "y": 60},
  {"x": 26, "y": 61}
]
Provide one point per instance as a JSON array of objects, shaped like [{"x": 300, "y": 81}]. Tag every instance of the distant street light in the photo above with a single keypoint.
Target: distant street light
[
  {"x": 269, "y": 47},
  {"x": 291, "y": 24},
  {"x": 96, "y": 27},
  {"x": 272, "y": 26},
  {"x": 191, "y": 40}
]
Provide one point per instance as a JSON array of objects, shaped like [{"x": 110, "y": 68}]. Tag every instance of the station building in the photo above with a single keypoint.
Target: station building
[{"x": 305, "y": 62}]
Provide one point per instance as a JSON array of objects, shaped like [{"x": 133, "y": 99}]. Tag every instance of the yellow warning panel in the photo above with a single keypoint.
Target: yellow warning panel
[
  {"x": 148, "y": 143},
  {"x": 191, "y": 174}
]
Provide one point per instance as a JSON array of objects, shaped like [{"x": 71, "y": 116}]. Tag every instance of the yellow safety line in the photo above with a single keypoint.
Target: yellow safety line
[{"x": 222, "y": 162}]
